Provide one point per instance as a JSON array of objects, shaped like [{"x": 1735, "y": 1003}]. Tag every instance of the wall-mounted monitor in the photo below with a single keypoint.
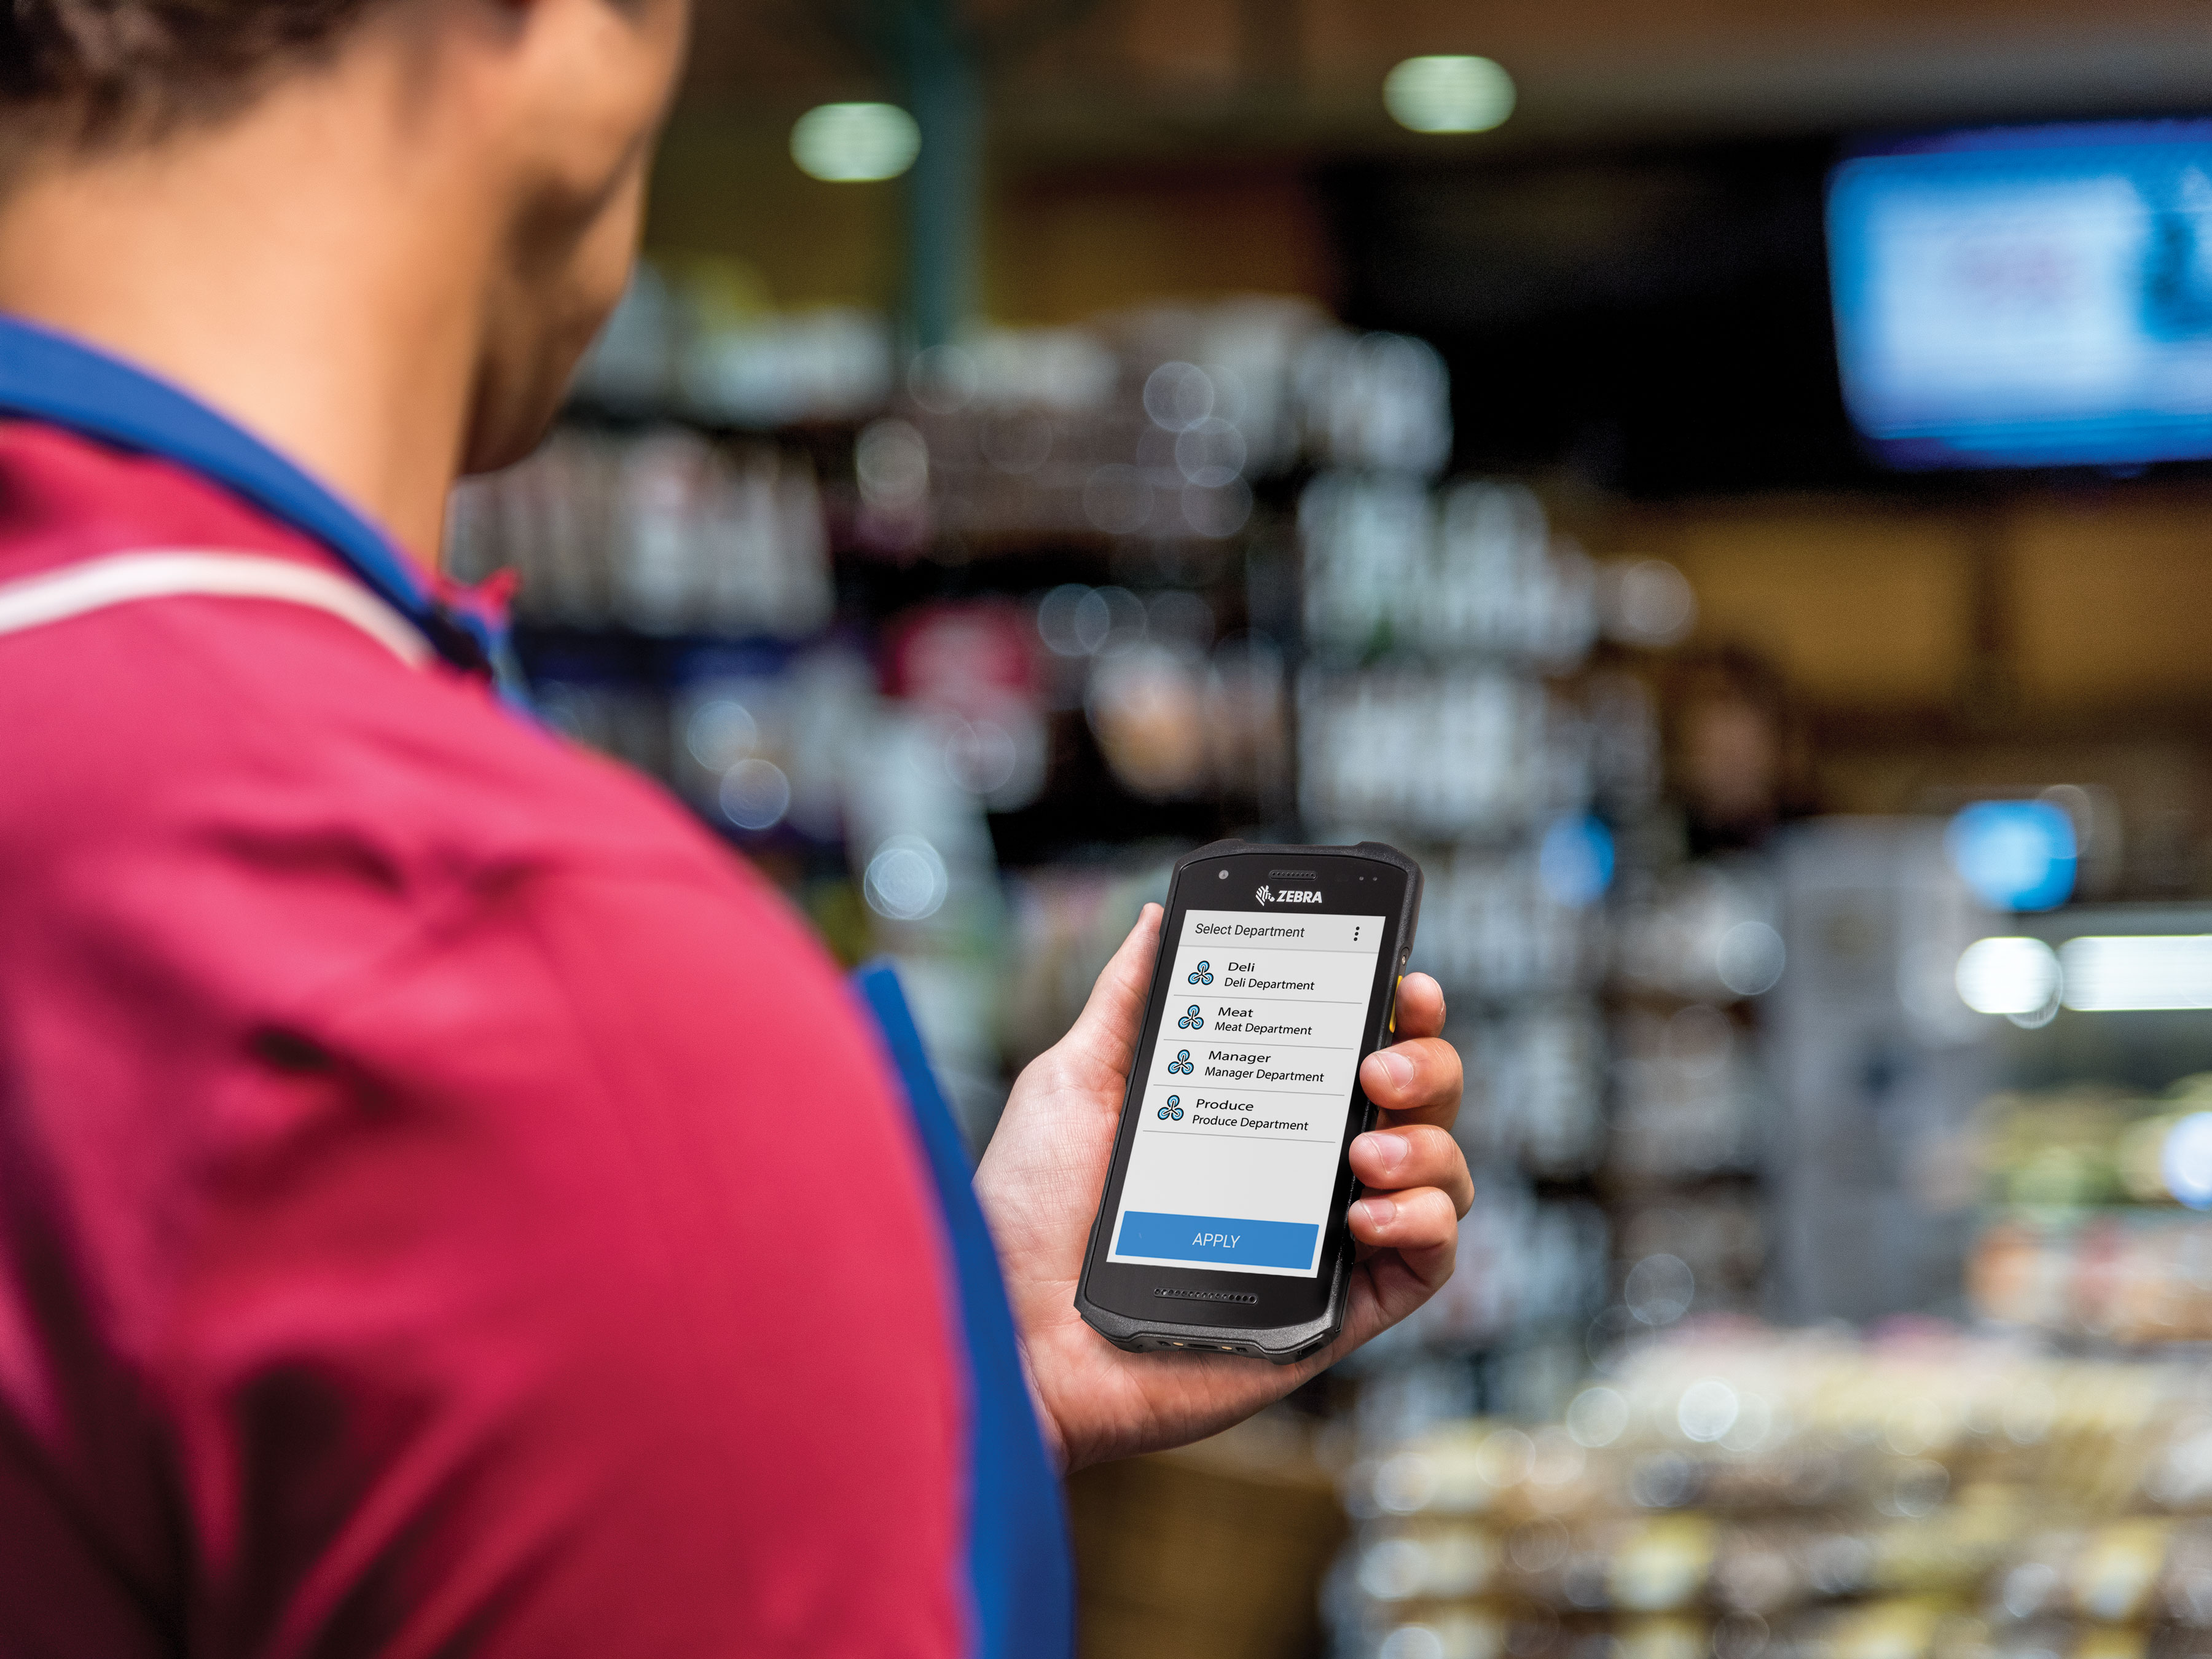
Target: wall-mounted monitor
[{"x": 2037, "y": 296}]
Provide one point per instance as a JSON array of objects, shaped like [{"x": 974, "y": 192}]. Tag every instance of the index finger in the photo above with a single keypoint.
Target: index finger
[{"x": 1421, "y": 1008}]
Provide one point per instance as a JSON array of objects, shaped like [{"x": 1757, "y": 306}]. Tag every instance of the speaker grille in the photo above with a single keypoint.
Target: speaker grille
[{"x": 1245, "y": 1296}]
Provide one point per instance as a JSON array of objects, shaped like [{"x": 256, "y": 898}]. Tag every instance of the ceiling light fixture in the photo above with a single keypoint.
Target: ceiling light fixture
[
  {"x": 1449, "y": 95},
  {"x": 855, "y": 143}
]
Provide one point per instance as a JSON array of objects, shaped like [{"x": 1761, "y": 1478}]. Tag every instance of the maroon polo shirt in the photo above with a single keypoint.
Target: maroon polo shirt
[{"x": 447, "y": 1204}]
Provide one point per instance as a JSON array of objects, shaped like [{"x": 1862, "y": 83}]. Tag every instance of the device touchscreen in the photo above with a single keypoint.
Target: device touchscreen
[{"x": 1246, "y": 1090}]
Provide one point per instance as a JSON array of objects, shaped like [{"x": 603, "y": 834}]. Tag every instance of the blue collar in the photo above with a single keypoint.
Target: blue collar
[{"x": 52, "y": 378}]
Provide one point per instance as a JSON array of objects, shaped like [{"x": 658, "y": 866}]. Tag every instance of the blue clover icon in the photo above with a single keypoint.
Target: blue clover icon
[
  {"x": 1181, "y": 1062},
  {"x": 1203, "y": 974},
  {"x": 1192, "y": 1021},
  {"x": 1173, "y": 1108}
]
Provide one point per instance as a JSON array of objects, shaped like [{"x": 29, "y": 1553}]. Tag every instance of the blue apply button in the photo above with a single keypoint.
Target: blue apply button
[{"x": 1223, "y": 1239}]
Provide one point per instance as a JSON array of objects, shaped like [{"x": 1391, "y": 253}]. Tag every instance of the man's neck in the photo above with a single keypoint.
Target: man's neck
[{"x": 301, "y": 269}]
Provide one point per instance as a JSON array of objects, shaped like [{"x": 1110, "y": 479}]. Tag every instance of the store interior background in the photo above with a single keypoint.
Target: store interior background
[{"x": 1184, "y": 447}]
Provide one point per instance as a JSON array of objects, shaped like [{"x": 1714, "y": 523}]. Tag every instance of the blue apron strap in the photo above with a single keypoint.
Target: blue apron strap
[{"x": 1019, "y": 1562}]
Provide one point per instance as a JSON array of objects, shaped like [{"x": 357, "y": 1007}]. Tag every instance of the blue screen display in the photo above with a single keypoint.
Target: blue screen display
[{"x": 2029, "y": 296}]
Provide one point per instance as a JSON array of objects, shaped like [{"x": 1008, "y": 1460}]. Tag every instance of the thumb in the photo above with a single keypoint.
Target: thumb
[{"x": 1107, "y": 1028}]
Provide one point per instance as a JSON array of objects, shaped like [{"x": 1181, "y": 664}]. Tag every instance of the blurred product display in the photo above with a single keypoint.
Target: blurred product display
[
  {"x": 2089, "y": 1225},
  {"x": 1712, "y": 1487},
  {"x": 1440, "y": 707},
  {"x": 662, "y": 532},
  {"x": 1692, "y": 1102},
  {"x": 1475, "y": 570},
  {"x": 1734, "y": 1491},
  {"x": 699, "y": 339}
]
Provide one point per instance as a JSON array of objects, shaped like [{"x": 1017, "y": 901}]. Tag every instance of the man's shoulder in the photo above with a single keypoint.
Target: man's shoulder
[
  {"x": 277, "y": 735},
  {"x": 170, "y": 750}
]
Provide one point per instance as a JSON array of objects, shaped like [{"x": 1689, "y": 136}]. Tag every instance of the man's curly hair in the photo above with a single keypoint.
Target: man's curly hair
[{"x": 92, "y": 69}]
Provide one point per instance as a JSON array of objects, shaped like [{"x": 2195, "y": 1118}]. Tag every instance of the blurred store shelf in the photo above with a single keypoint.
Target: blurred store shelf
[{"x": 1749, "y": 1494}]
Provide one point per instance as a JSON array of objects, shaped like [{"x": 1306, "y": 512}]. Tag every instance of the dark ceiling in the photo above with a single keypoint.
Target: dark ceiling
[{"x": 1124, "y": 79}]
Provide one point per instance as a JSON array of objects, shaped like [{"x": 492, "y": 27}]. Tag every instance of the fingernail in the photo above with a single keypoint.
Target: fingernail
[
  {"x": 1380, "y": 1211},
  {"x": 1398, "y": 1068},
  {"x": 1390, "y": 1150}
]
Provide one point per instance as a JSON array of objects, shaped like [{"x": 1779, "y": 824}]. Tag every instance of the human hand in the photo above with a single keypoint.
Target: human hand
[{"x": 1040, "y": 1182}]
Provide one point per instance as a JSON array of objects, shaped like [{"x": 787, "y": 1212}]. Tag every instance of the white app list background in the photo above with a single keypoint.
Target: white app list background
[{"x": 1272, "y": 1068}]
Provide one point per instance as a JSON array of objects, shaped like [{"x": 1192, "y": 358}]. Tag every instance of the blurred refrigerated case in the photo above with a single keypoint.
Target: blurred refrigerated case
[
  {"x": 2094, "y": 1149},
  {"x": 1877, "y": 1066}
]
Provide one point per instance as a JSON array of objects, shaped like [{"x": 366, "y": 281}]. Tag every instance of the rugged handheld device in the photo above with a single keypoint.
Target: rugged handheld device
[{"x": 1222, "y": 1227}]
